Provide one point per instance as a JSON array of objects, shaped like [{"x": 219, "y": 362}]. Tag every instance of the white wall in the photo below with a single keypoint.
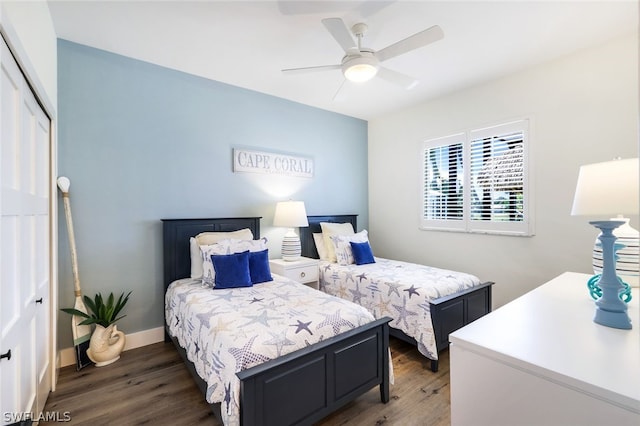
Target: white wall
[
  {"x": 31, "y": 35},
  {"x": 584, "y": 109}
]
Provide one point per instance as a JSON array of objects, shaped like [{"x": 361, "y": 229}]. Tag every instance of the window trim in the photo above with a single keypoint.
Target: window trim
[{"x": 466, "y": 224}]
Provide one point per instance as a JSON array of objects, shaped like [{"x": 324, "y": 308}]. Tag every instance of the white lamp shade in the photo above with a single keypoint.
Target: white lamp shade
[
  {"x": 606, "y": 189},
  {"x": 611, "y": 189},
  {"x": 290, "y": 214}
]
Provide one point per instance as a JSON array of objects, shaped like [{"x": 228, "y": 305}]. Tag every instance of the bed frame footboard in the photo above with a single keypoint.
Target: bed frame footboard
[
  {"x": 302, "y": 387},
  {"x": 307, "y": 385},
  {"x": 451, "y": 313}
]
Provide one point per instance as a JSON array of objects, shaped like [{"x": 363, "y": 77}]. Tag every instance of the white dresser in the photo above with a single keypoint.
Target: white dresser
[{"x": 541, "y": 360}]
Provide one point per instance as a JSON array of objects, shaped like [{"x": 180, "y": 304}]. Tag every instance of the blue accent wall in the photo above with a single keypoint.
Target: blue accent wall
[{"x": 141, "y": 143}]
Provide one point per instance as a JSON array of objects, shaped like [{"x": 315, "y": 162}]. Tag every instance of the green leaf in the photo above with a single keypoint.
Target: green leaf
[
  {"x": 102, "y": 313},
  {"x": 75, "y": 312},
  {"x": 89, "y": 304},
  {"x": 120, "y": 304},
  {"x": 88, "y": 321}
]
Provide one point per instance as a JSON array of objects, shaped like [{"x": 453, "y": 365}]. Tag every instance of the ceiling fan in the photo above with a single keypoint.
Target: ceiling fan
[{"x": 360, "y": 63}]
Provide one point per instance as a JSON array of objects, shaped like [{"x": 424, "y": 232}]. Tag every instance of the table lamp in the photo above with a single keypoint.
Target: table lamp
[
  {"x": 603, "y": 190},
  {"x": 290, "y": 214}
]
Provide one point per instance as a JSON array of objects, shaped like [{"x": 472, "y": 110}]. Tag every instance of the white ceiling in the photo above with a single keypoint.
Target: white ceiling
[{"x": 247, "y": 43}]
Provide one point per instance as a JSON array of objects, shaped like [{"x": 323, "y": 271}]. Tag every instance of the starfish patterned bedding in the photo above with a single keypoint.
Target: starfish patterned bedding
[
  {"x": 396, "y": 289},
  {"x": 225, "y": 331}
]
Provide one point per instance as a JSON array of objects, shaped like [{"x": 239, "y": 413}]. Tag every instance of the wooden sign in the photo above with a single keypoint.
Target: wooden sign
[{"x": 272, "y": 163}]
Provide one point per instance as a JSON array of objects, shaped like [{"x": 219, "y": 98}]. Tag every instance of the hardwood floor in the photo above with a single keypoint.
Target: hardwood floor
[{"x": 151, "y": 385}]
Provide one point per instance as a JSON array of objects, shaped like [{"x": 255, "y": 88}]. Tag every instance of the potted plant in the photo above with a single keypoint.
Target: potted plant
[{"x": 106, "y": 341}]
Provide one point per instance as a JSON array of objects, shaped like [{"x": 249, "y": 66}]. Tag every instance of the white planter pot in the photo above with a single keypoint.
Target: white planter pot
[{"x": 106, "y": 345}]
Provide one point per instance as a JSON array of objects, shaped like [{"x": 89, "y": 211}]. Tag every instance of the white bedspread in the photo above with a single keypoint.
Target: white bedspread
[
  {"x": 399, "y": 290},
  {"x": 226, "y": 331}
]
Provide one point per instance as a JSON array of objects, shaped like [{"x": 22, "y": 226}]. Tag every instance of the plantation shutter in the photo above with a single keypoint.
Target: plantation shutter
[
  {"x": 443, "y": 182},
  {"x": 478, "y": 181},
  {"x": 497, "y": 160}
]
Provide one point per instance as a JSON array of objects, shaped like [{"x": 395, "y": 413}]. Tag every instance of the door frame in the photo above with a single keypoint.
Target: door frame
[{"x": 10, "y": 35}]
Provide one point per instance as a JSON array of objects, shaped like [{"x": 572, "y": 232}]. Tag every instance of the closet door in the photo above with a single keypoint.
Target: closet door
[
  {"x": 25, "y": 312},
  {"x": 36, "y": 127}
]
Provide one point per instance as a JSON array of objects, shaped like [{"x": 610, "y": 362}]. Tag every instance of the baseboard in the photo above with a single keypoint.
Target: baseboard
[{"x": 67, "y": 356}]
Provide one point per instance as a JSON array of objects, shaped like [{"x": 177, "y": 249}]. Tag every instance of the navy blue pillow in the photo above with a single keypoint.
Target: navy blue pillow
[
  {"x": 259, "y": 267},
  {"x": 362, "y": 253},
  {"x": 232, "y": 270}
]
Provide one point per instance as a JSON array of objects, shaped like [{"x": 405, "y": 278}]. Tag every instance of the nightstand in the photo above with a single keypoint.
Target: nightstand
[{"x": 303, "y": 270}]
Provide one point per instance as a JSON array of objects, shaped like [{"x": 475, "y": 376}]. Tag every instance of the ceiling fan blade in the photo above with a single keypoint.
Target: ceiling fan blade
[
  {"x": 340, "y": 32},
  {"x": 410, "y": 43},
  {"x": 311, "y": 69},
  {"x": 397, "y": 78}
]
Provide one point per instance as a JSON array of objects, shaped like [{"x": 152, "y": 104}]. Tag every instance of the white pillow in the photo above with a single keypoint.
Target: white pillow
[
  {"x": 226, "y": 246},
  {"x": 208, "y": 272},
  {"x": 328, "y": 230},
  {"x": 196, "y": 258},
  {"x": 320, "y": 248},
  {"x": 209, "y": 238},
  {"x": 233, "y": 245},
  {"x": 342, "y": 246}
]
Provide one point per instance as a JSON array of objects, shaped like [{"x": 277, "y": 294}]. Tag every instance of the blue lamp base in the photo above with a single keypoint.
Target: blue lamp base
[
  {"x": 610, "y": 310},
  {"x": 612, "y": 319},
  {"x": 596, "y": 292}
]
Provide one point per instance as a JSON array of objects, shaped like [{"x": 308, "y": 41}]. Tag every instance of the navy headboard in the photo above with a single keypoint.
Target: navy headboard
[
  {"x": 175, "y": 240},
  {"x": 306, "y": 234}
]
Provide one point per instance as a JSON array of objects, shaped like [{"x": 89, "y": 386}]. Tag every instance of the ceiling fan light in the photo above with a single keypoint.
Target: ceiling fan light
[{"x": 360, "y": 69}]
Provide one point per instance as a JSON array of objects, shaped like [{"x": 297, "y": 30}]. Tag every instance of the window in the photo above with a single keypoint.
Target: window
[
  {"x": 444, "y": 180},
  {"x": 477, "y": 181}
]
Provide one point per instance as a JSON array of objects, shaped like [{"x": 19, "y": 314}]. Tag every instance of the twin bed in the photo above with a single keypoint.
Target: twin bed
[
  {"x": 327, "y": 351},
  {"x": 426, "y": 304},
  {"x": 318, "y": 351}
]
